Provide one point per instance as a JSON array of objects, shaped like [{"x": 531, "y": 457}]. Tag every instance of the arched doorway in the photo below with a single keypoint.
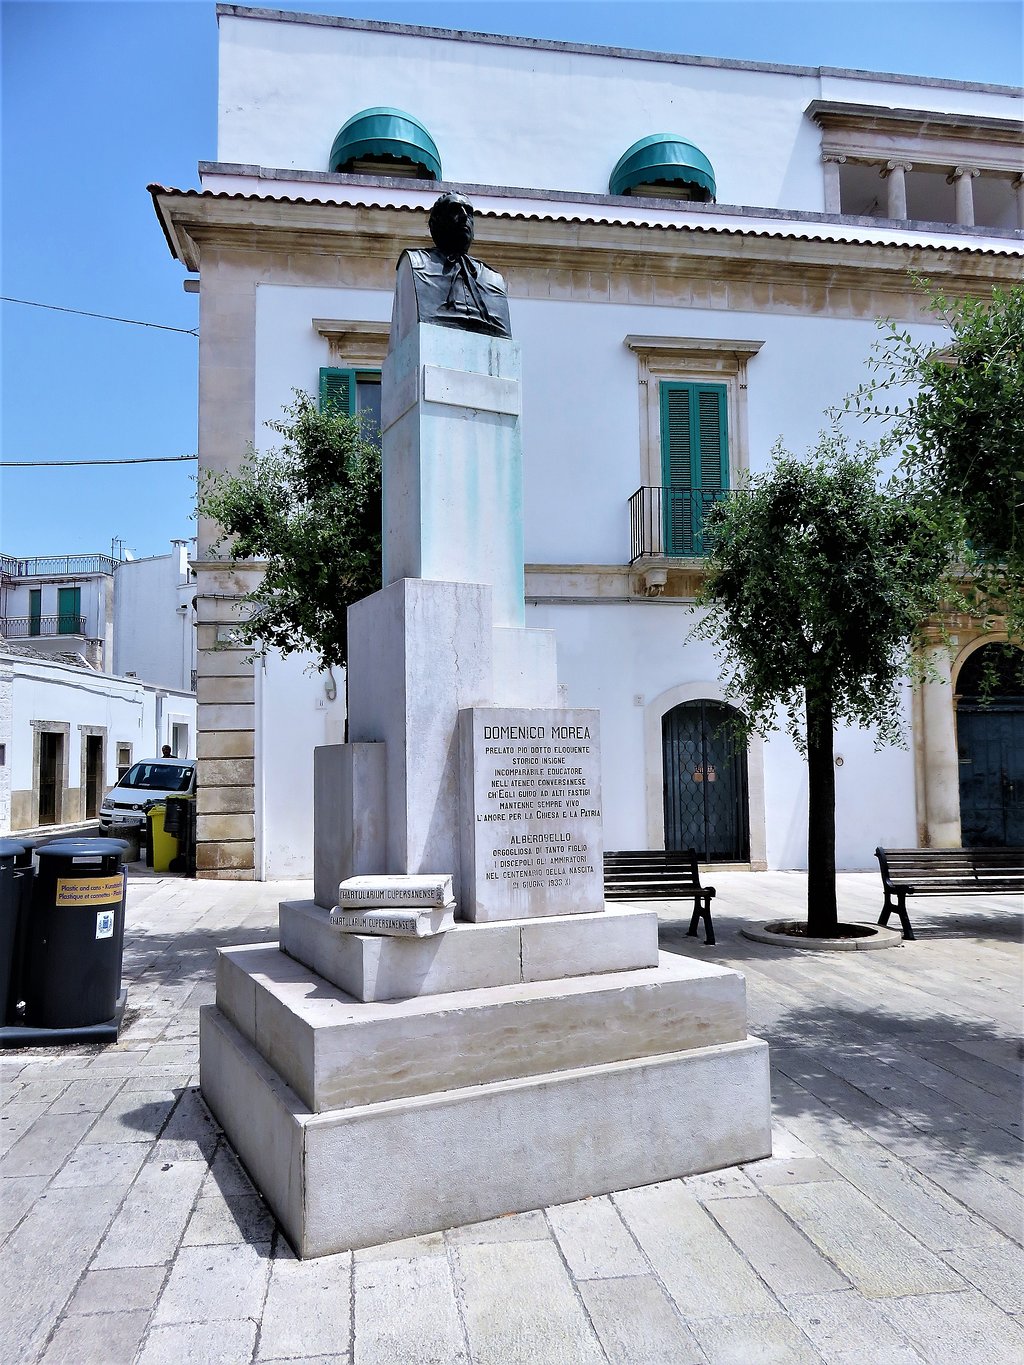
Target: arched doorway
[
  {"x": 990, "y": 743},
  {"x": 704, "y": 766}
]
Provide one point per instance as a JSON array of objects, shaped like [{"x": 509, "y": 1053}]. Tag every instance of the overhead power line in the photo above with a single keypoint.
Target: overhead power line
[
  {"x": 68, "y": 464},
  {"x": 106, "y": 317}
]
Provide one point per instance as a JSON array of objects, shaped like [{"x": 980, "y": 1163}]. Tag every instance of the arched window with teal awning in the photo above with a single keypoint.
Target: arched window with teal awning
[
  {"x": 387, "y": 141},
  {"x": 664, "y": 165}
]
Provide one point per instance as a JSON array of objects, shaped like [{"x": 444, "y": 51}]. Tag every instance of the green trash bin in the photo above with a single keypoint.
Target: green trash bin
[{"x": 75, "y": 935}]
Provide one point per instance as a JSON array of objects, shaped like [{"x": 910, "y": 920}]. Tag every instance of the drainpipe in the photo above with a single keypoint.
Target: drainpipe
[{"x": 161, "y": 698}]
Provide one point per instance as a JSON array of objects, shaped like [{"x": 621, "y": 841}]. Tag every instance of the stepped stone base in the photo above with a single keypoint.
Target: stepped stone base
[
  {"x": 468, "y": 956},
  {"x": 368, "y": 1122},
  {"x": 400, "y": 1168}
]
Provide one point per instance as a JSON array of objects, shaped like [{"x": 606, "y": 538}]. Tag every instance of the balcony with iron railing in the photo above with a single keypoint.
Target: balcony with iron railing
[
  {"x": 41, "y": 627},
  {"x": 668, "y": 523},
  {"x": 56, "y": 566}
]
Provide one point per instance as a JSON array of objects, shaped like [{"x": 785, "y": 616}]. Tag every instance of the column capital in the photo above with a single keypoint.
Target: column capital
[
  {"x": 891, "y": 166},
  {"x": 959, "y": 172},
  {"x": 836, "y": 158}
]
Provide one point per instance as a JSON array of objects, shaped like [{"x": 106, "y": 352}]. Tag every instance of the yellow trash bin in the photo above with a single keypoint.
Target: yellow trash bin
[{"x": 162, "y": 846}]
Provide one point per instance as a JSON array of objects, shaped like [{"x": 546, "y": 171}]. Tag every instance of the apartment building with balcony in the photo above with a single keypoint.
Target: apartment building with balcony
[
  {"x": 696, "y": 252},
  {"x": 60, "y": 604}
]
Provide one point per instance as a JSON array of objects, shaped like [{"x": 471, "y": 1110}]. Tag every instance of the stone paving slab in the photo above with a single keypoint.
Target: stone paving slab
[{"x": 886, "y": 1227}]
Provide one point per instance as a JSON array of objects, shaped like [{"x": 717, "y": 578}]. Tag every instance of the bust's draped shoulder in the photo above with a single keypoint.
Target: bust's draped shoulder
[{"x": 459, "y": 292}]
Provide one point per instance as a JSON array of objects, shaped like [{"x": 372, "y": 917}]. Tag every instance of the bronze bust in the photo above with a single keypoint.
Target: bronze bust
[{"x": 450, "y": 288}]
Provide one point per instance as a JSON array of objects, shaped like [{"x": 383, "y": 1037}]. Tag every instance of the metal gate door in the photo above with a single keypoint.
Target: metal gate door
[
  {"x": 705, "y": 775},
  {"x": 990, "y": 737}
]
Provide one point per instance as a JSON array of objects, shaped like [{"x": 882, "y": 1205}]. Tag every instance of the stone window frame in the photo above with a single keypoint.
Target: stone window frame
[
  {"x": 354, "y": 345},
  {"x": 357, "y": 346},
  {"x": 692, "y": 360}
]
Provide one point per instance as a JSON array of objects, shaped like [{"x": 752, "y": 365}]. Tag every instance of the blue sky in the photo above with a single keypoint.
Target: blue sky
[{"x": 100, "y": 99}]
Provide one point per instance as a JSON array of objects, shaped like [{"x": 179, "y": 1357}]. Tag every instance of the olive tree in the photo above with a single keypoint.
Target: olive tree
[
  {"x": 956, "y": 414},
  {"x": 309, "y": 513},
  {"x": 819, "y": 579}
]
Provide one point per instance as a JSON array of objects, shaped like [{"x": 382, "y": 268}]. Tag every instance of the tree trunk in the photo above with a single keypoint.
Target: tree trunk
[{"x": 822, "y": 916}]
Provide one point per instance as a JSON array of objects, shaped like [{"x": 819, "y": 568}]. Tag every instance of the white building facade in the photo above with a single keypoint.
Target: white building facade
[
  {"x": 154, "y": 619},
  {"x": 97, "y": 670},
  {"x": 67, "y": 733},
  {"x": 696, "y": 252}
]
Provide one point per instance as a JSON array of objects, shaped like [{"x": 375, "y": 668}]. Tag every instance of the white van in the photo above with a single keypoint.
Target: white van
[{"x": 143, "y": 785}]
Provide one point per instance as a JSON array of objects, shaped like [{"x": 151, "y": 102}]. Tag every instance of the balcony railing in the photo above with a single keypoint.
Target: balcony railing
[
  {"x": 54, "y": 566},
  {"x": 669, "y": 522},
  {"x": 29, "y": 627}
]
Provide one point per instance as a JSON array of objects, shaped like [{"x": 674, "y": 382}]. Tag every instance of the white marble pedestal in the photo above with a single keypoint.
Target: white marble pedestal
[{"x": 364, "y": 1122}]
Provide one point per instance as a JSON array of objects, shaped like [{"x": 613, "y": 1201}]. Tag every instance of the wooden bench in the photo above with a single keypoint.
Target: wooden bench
[
  {"x": 653, "y": 874},
  {"x": 945, "y": 872}
]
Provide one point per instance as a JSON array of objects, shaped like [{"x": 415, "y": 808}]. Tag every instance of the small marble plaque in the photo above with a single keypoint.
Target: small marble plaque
[
  {"x": 400, "y": 923},
  {"x": 396, "y": 892},
  {"x": 531, "y": 805},
  {"x": 464, "y": 389}
]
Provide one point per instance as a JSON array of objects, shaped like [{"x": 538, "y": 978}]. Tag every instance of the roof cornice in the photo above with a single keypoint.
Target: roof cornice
[
  {"x": 194, "y": 220},
  {"x": 834, "y": 115}
]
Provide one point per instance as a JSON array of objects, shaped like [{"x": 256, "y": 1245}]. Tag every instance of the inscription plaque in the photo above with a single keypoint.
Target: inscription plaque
[
  {"x": 393, "y": 923},
  {"x": 410, "y": 889},
  {"x": 531, "y": 802}
]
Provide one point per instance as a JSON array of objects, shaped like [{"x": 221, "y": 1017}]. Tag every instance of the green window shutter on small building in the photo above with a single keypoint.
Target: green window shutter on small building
[
  {"x": 337, "y": 390},
  {"x": 69, "y": 611},
  {"x": 694, "y": 460}
]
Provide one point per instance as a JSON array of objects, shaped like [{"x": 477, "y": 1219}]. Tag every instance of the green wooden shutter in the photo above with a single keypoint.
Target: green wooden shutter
[
  {"x": 713, "y": 438},
  {"x": 35, "y": 610},
  {"x": 337, "y": 390},
  {"x": 694, "y": 460},
  {"x": 69, "y": 610}
]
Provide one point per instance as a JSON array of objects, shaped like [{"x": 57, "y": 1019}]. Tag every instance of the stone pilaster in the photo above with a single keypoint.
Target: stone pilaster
[
  {"x": 940, "y": 768},
  {"x": 833, "y": 200}
]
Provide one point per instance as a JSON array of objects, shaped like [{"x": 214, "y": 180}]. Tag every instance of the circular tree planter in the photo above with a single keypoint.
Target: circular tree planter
[{"x": 792, "y": 933}]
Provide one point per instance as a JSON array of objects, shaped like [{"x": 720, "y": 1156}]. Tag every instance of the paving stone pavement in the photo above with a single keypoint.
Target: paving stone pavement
[{"x": 886, "y": 1227}]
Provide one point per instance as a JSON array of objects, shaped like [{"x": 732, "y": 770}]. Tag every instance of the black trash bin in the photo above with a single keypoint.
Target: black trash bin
[
  {"x": 11, "y": 878},
  {"x": 180, "y": 821},
  {"x": 76, "y": 934}
]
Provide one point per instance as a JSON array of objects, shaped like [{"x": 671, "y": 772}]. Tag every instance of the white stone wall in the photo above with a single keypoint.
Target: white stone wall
[
  {"x": 295, "y": 714},
  {"x": 154, "y": 622},
  {"x": 624, "y": 658},
  {"x": 582, "y": 453},
  {"x": 542, "y": 118}
]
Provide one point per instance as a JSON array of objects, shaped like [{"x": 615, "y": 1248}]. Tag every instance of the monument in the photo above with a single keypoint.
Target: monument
[{"x": 457, "y": 1027}]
